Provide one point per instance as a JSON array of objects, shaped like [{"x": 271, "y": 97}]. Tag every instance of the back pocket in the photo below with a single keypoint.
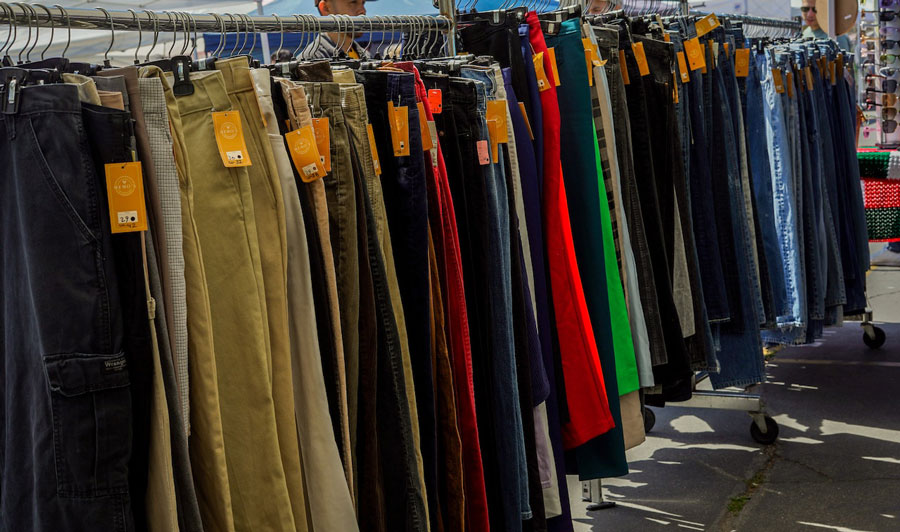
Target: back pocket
[{"x": 91, "y": 401}]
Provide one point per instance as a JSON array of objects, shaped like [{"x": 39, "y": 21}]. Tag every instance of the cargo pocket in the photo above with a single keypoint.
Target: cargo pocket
[{"x": 91, "y": 401}]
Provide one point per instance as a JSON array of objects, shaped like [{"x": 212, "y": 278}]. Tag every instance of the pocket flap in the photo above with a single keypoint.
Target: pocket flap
[{"x": 77, "y": 373}]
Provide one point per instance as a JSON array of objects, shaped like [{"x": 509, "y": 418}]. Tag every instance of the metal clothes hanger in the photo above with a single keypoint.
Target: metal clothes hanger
[
  {"x": 155, "y": 19},
  {"x": 28, "y": 40},
  {"x": 137, "y": 20},
  {"x": 112, "y": 36}
]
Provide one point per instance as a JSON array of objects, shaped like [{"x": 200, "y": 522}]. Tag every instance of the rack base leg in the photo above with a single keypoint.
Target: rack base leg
[{"x": 592, "y": 492}]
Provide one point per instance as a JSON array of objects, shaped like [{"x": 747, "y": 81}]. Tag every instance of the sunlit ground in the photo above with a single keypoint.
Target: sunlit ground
[{"x": 835, "y": 466}]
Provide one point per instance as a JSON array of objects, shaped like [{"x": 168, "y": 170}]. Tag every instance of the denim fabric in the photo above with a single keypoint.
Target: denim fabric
[
  {"x": 66, "y": 400},
  {"x": 676, "y": 372},
  {"x": 762, "y": 184},
  {"x": 702, "y": 204},
  {"x": 737, "y": 116},
  {"x": 783, "y": 193},
  {"x": 507, "y": 414},
  {"x": 835, "y": 293},
  {"x": 608, "y": 44},
  {"x": 403, "y": 182},
  {"x": 502, "y": 42},
  {"x": 672, "y": 181},
  {"x": 533, "y": 105},
  {"x": 447, "y": 238},
  {"x": 741, "y": 360},
  {"x": 812, "y": 213}
]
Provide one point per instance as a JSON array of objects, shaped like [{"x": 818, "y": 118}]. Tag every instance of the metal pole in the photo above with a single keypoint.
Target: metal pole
[
  {"x": 265, "y": 36},
  {"x": 92, "y": 19},
  {"x": 447, "y": 8}
]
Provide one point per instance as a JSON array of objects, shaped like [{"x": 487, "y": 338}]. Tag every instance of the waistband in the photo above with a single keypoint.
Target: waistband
[
  {"x": 483, "y": 75},
  {"x": 343, "y": 75},
  {"x": 153, "y": 96},
  {"x": 56, "y": 98},
  {"x": 209, "y": 93},
  {"x": 402, "y": 88},
  {"x": 440, "y": 82},
  {"x": 114, "y": 84},
  {"x": 607, "y": 37},
  {"x": 262, "y": 82},
  {"x": 236, "y": 74},
  {"x": 353, "y": 97},
  {"x": 322, "y": 93}
]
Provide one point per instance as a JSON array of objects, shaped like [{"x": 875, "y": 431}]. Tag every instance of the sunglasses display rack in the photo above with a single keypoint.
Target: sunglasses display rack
[{"x": 878, "y": 55}]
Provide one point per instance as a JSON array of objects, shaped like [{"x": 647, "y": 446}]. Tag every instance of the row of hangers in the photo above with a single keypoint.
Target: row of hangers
[{"x": 23, "y": 71}]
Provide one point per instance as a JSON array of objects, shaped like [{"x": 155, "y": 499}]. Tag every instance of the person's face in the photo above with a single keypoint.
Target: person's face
[
  {"x": 598, "y": 7},
  {"x": 809, "y": 13},
  {"x": 354, "y": 8}
]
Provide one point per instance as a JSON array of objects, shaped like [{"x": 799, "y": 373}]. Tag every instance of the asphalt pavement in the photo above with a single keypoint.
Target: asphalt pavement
[{"x": 835, "y": 465}]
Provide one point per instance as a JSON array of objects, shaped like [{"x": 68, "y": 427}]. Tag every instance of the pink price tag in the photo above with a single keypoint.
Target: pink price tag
[{"x": 484, "y": 156}]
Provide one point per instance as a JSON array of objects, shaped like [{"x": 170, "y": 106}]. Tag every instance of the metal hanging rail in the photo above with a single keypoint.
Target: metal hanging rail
[
  {"x": 36, "y": 15},
  {"x": 763, "y": 22}
]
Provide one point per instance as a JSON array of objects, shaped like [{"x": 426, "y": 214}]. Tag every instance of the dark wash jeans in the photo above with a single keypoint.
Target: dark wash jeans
[
  {"x": 674, "y": 375},
  {"x": 608, "y": 43},
  {"x": 403, "y": 182},
  {"x": 672, "y": 184},
  {"x": 66, "y": 384}
]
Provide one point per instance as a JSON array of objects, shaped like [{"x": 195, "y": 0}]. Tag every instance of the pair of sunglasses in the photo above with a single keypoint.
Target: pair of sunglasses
[
  {"x": 886, "y": 44},
  {"x": 887, "y": 99},
  {"x": 888, "y": 86},
  {"x": 807, "y": 9},
  {"x": 889, "y": 3},
  {"x": 888, "y": 113},
  {"x": 889, "y": 126}
]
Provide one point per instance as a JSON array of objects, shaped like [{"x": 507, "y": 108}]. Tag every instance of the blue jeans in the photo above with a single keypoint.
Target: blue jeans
[
  {"x": 507, "y": 412},
  {"x": 762, "y": 186},
  {"x": 741, "y": 360},
  {"x": 781, "y": 162}
]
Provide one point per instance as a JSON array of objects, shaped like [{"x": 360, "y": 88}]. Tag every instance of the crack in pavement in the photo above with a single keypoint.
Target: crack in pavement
[
  {"x": 807, "y": 466},
  {"x": 753, "y": 484}
]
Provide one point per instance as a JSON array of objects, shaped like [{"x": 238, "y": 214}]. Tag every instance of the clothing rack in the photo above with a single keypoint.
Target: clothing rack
[
  {"x": 791, "y": 27},
  {"x": 36, "y": 15}
]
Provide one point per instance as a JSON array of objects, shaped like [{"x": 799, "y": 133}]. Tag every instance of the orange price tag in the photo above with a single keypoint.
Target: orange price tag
[
  {"x": 373, "y": 148},
  {"x": 810, "y": 84},
  {"x": 695, "y": 54},
  {"x": 399, "y": 121},
  {"x": 641, "y": 58},
  {"x": 683, "y": 68},
  {"x": 323, "y": 141},
  {"x": 305, "y": 153},
  {"x": 125, "y": 194},
  {"x": 493, "y": 133},
  {"x": 623, "y": 64},
  {"x": 703, "y": 50},
  {"x": 527, "y": 122},
  {"x": 790, "y": 84},
  {"x": 423, "y": 128},
  {"x": 542, "y": 81},
  {"x": 230, "y": 139},
  {"x": 590, "y": 67},
  {"x": 778, "y": 80},
  {"x": 551, "y": 53},
  {"x": 706, "y": 24},
  {"x": 728, "y": 50},
  {"x": 742, "y": 62},
  {"x": 496, "y": 110}
]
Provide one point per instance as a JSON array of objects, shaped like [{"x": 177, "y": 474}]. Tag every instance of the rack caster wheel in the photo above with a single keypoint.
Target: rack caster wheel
[
  {"x": 765, "y": 438},
  {"x": 649, "y": 419},
  {"x": 876, "y": 341}
]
